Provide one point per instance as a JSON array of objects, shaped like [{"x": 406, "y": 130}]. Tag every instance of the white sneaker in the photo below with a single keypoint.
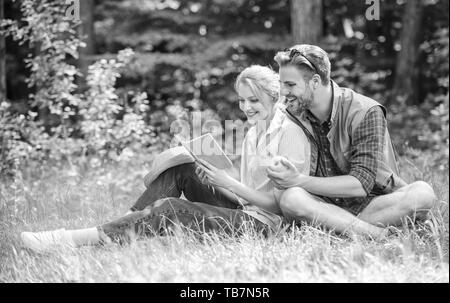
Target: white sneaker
[{"x": 47, "y": 240}]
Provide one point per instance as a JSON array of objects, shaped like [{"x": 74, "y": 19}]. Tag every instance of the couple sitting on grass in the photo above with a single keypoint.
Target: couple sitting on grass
[{"x": 333, "y": 164}]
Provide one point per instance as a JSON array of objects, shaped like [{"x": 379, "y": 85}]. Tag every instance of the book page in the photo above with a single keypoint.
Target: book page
[{"x": 208, "y": 149}]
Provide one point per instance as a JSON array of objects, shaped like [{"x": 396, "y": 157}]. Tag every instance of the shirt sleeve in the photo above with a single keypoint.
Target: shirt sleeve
[
  {"x": 294, "y": 146},
  {"x": 367, "y": 148}
]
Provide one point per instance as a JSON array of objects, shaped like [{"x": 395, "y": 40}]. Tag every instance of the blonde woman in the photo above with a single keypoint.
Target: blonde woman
[{"x": 215, "y": 201}]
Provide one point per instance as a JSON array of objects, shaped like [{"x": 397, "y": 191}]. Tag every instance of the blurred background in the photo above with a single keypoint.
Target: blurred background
[{"x": 108, "y": 86}]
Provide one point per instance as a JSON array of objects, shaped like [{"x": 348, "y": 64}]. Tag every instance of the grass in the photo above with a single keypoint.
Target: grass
[{"x": 77, "y": 198}]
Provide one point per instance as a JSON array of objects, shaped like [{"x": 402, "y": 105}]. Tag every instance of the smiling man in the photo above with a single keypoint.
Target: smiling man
[{"x": 353, "y": 184}]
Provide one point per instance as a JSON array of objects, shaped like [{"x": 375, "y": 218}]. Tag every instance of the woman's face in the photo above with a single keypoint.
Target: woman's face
[{"x": 254, "y": 108}]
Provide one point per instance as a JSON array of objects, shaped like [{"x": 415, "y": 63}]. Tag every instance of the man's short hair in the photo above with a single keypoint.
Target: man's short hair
[{"x": 310, "y": 59}]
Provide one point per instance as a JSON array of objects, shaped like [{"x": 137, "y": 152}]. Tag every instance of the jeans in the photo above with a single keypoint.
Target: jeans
[
  {"x": 200, "y": 217},
  {"x": 211, "y": 210},
  {"x": 178, "y": 180}
]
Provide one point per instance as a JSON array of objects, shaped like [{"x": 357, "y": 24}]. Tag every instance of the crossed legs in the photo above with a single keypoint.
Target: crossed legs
[
  {"x": 413, "y": 200},
  {"x": 178, "y": 180}
]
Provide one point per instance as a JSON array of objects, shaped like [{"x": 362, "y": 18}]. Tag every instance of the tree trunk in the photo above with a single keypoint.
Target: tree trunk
[
  {"x": 87, "y": 8},
  {"x": 2, "y": 58},
  {"x": 407, "y": 70},
  {"x": 306, "y": 21}
]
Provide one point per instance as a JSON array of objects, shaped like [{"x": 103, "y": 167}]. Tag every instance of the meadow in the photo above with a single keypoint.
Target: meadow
[{"x": 72, "y": 197}]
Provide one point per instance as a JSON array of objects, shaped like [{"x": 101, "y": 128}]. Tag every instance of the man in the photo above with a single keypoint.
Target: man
[{"x": 353, "y": 186}]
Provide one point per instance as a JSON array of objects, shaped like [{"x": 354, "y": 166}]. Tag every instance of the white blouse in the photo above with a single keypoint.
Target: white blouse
[{"x": 282, "y": 138}]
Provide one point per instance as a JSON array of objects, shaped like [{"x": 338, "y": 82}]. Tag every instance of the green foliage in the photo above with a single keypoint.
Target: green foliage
[
  {"x": 107, "y": 126},
  {"x": 107, "y": 130},
  {"x": 12, "y": 146},
  {"x": 54, "y": 39},
  {"x": 97, "y": 122},
  {"x": 188, "y": 54},
  {"x": 427, "y": 126}
]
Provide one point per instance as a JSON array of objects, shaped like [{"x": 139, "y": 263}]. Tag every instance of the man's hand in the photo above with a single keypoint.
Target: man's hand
[{"x": 284, "y": 174}]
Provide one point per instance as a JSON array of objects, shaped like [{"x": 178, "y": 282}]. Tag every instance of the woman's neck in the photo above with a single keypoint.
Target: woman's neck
[{"x": 261, "y": 126}]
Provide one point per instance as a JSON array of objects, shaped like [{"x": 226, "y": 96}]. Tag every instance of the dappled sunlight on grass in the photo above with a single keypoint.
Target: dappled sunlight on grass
[{"x": 301, "y": 254}]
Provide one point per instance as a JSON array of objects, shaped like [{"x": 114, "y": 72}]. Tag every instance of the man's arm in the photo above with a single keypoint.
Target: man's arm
[
  {"x": 338, "y": 186},
  {"x": 366, "y": 151}
]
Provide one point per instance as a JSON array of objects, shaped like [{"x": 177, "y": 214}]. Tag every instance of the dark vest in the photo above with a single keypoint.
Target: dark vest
[{"x": 349, "y": 109}]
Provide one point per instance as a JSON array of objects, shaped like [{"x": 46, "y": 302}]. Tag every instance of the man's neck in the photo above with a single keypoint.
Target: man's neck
[{"x": 323, "y": 103}]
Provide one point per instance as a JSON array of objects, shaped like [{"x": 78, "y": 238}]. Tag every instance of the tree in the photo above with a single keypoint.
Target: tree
[
  {"x": 306, "y": 21},
  {"x": 87, "y": 8},
  {"x": 406, "y": 85},
  {"x": 2, "y": 58}
]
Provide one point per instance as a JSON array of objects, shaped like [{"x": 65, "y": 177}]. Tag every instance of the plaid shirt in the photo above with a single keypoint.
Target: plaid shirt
[{"x": 367, "y": 149}]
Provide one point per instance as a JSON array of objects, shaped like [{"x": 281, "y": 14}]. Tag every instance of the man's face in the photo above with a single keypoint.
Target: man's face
[{"x": 297, "y": 93}]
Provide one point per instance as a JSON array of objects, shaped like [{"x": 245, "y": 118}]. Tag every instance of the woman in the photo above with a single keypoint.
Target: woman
[{"x": 219, "y": 202}]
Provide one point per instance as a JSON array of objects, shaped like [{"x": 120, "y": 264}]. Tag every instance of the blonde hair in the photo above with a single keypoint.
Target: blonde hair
[{"x": 260, "y": 79}]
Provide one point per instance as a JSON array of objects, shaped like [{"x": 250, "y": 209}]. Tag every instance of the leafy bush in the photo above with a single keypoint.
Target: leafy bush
[
  {"x": 426, "y": 127},
  {"x": 108, "y": 126},
  {"x": 96, "y": 123},
  {"x": 188, "y": 60},
  {"x": 46, "y": 29},
  {"x": 12, "y": 147}
]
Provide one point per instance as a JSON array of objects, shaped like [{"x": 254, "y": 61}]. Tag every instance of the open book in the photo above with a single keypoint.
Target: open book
[{"x": 206, "y": 148}]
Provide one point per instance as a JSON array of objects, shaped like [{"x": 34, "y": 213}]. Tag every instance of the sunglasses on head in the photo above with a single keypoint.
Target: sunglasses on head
[{"x": 295, "y": 52}]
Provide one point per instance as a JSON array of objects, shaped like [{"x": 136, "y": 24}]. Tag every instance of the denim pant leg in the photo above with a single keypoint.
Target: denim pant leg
[
  {"x": 177, "y": 180},
  {"x": 199, "y": 217}
]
